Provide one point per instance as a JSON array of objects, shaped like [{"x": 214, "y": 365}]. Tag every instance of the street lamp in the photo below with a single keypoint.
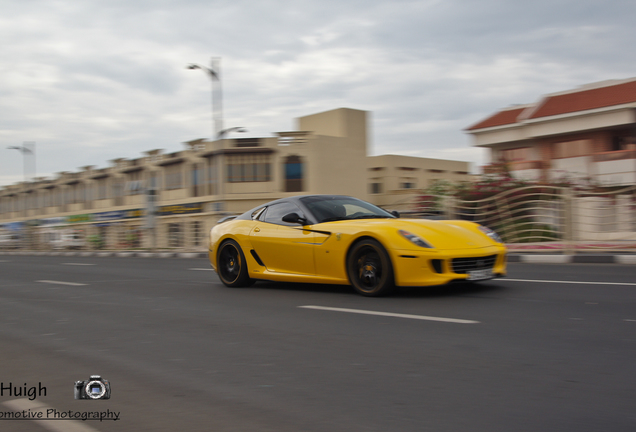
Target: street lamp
[
  {"x": 224, "y": 132},
  {"x": 217, "y": 101},
  {"x": 25, "y": 150}
]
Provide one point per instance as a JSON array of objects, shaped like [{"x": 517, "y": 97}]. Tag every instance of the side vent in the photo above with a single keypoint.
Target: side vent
[{"x": 257, "y": 258}]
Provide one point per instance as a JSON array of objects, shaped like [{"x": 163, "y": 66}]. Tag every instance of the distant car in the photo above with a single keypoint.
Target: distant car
[
  {"x": 66, "y": 239},
  {"x": 9, "y": 241},
  {"x": 337, "y": 239}
]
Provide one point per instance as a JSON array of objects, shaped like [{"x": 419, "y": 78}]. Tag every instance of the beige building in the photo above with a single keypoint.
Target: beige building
[
  {"x": 395, "y": 181},
  {"x": 191, "y": 190},
  {"x": 588, "y": 132}
]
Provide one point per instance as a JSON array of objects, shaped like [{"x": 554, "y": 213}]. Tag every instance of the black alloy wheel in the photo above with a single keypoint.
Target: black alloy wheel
[
  {"x": 369, "y": 268},
  {"x": 231, "y": 265}
]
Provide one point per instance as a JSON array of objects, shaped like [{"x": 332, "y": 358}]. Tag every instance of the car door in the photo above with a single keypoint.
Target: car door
[{"x": 283, "y": 247}]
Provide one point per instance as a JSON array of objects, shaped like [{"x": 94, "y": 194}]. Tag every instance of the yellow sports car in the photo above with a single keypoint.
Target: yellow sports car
[{"x": 343, "y": 240}]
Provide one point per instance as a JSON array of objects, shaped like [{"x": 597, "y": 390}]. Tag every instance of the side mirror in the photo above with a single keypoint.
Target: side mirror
[
  {"x": 395, "y": 213},
  {"x": 294, "y": 218}
]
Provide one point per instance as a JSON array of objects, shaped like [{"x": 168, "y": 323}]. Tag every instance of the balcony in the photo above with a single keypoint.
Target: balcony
[
  {"x": 614, "y": 155},
  {"x": 515, "y": 166},
  {"x": 616, "y": 167}
]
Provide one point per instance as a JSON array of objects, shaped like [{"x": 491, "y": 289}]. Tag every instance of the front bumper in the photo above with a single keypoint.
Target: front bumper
[{"x": 438, "y": 267}]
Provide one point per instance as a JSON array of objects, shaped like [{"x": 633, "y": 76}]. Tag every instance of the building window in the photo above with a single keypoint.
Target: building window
[
  {"x": 247, "y": 142},
  {"x": 134, "y": 185},
  {"x": 175, "y": 236},
  {"x": 293, "y": 174},
  {"x": 569, "y": 149},
  {"x": 407, "y": 185},
  {"x": 46, "y": 198},
  {"x": 211, "y": 176},
  {"x": 197, "y": 233},
  {"x": 78, "y": 193},
  {"x": 102, "y": 188},
  {"x": 197, "y": 177},
  {"x": 248, "y": 168},
  {"x": 27, "y": 200},
  {"x": 173, "y": 176},
  {"x": 515, "y": 154},
  {"x": 376, "y": 188},
  {"x": 118, "y": 192},
  {"x": 619, "y": 143},
  {"x": 74, "y": 193}
]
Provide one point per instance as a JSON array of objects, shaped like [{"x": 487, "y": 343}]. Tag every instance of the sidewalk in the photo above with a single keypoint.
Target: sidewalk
[
  {"x": 581, "y": 252},
  {"x": 549, "y": 256},
  {"x": 120, "y": 254}
]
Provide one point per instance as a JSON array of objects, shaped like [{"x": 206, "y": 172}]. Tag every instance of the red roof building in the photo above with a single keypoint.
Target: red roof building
[{"x": 589, "y": 132}]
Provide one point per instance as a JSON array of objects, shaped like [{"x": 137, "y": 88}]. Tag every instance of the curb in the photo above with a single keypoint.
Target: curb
[
  {"x": 118, "y": 254},
  {"x": 573, "y": 259}
]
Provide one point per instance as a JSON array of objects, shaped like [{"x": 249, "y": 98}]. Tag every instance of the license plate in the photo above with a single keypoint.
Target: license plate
[{"x": 480, "y": 274}]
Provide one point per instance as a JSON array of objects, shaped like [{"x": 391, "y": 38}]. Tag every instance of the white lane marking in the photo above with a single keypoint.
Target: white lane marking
[
  {"x": 19, "y": 405},
  {"x": 625, "y": 259},
  {"x": 79, "y": 264},
  {"x": 62, "y": 283},
  {"x": 569, "y": 282},
  {"x": 202, "y": 269},
  {"x": 390, "y": 314}
]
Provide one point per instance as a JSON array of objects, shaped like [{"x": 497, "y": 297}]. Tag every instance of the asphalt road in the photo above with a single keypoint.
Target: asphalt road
[{"x": 182, "y": 352}]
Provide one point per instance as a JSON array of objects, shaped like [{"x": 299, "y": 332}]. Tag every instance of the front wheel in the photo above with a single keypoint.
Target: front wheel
[
  {"x": 231, "y": 265},
  {"x": 369, "y": 268}
]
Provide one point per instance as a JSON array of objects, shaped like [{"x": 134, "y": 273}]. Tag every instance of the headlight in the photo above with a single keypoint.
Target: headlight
[
  {"x": 415, "y": 239},
  {"x": 490, "y": 233}
]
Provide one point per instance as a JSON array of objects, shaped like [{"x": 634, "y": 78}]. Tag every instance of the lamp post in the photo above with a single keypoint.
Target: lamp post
[
  {"x": 221, "y": 134},
  {"x": 26, "y": 148},
  {"x": 217, "y": 98},
  {"x": 25, "y": 151}
]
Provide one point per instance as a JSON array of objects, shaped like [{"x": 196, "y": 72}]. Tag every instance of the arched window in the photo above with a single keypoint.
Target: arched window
[{"x": 293, "y": 174}]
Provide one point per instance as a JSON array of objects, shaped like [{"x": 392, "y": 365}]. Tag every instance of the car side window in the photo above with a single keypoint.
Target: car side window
[
  {"x": 275, "y": 213},
  {"x": 258, "y": 213}
]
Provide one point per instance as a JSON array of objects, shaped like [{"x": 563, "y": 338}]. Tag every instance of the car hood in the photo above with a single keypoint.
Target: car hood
[{"x": 444, "y": 234}]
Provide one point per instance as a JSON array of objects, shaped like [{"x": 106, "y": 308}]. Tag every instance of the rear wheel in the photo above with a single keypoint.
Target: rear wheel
[
  {"x": 369, "y": 268},
  {"x": 231, "y": 265}
]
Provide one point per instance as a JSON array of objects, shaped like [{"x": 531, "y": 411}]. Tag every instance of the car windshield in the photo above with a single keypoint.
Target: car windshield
[{"x": 333, "y": 208}]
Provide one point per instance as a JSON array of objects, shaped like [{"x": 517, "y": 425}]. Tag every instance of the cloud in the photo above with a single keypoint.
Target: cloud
[{"x": 92, "y": 81}]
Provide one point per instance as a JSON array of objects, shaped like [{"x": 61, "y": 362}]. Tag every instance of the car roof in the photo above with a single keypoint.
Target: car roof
[{"x": 294, "y": 199}]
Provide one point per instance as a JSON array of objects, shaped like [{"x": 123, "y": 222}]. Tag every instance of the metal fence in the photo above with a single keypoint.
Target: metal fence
[
  {"x": 540, "y": 218},
  {"x": 184, "y": 235}
]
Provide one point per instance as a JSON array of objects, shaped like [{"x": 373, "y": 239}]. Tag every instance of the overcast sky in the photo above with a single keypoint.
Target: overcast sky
[{"x": 90, "y": 81}]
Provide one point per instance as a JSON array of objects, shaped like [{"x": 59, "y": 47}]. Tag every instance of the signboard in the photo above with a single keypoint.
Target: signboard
[
  {"x": 180, "y": 209},
  {"x": 79, "y": 218},
  {"x": 134, "y": 214},
  {"x": 109, "y": 216},
  {"x": 60, "y": 220}
]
